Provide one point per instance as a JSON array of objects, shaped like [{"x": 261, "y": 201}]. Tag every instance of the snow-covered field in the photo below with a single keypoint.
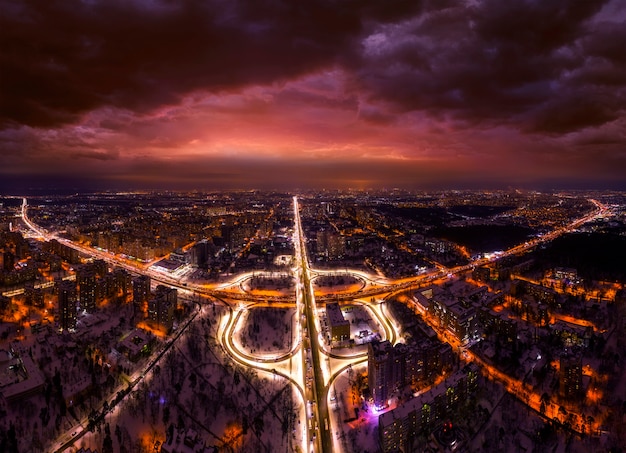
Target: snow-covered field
[
  {"x": 197, "y": 387},
  {"x": 267, "y": 330}
]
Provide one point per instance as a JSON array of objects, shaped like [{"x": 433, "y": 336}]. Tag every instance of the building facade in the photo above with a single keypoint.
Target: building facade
[
  {"x": 571, "y": 375},
  {"x": 393, "y": 367},
  {"x": 67, "y": 305},
  {"x": 87, "y": 294},
  {"x": 339, "y": 327},
  {"x": 399, "y": 428},
  {"x": 162, "y": 306},
  {"x": 141, "y": 293}
]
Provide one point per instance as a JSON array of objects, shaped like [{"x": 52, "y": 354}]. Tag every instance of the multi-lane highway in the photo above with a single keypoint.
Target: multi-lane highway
[
  {"x": 307, "y": 375},
  {"x": 319, "y": 433}
]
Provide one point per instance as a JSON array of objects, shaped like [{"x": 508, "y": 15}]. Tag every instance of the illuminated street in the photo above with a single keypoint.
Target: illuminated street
[
  {"x": 312, "y": 227},
  {"x": 310, "y": 364}
]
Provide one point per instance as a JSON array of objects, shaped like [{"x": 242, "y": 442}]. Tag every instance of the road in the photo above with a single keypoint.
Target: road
[
  {"x": 319, "y": 433},
  {"x": 280, "y": 365},
  {"x": 311, "y": 383},
  {"x": 67, "y": 440}
]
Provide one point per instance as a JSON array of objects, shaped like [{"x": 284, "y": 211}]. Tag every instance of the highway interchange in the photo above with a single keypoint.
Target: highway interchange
[{"x": 309, "y": 365}]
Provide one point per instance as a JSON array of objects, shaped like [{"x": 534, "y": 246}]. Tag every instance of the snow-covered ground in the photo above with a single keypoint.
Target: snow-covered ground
[
  {"x": 196, "y": 386},
  {"x": 267, "y": 331},
  {"x": 354, "y": 425},
  {"x": 337, "y": 283},
  {"x": 278, "y": 283}
]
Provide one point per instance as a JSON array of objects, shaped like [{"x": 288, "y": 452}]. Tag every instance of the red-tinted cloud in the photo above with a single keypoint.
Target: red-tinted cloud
[{"x": 399, "y": 92}]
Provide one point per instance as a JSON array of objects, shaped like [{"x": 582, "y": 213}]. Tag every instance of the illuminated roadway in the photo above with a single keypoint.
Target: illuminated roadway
[
  {"x": 320, "y": 432},
  {"x": 380, "y": 286},
  {"x": 317, "y": 435},
  {"x": 276, "y": 365}
]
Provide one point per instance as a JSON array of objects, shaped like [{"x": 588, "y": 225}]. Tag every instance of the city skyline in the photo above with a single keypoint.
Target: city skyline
[
  {"x": 209, "y": 95},
  {"x": 335, "y": 321}
]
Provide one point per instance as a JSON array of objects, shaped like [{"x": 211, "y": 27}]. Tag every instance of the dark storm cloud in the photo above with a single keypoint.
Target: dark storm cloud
[
  {"x": 607, "y": 41},
  {"x": 395, "y": 90},
  {"x": 601, "y": 139},
  {"x": 533, "y": 65},
  {"x": 575, "y": 111},
  {"x": 97, "y": 155},
  {"x": 521, "y": 62},
  {"x": 375, "y": 116},
  {"x": 60, "y": 59}
]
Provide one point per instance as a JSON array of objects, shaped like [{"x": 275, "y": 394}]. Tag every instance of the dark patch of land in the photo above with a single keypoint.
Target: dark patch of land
[
  {"x": 595, "y": 256},
  {"x": 479, "y": 211},
  {"x": 11, "y": 202},
  {"x": 486, "y": 238},
  {"x": 424, "y": 216}
]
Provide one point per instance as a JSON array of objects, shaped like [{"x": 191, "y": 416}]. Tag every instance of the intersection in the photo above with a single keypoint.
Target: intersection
[{"x": 309, "y": 365}]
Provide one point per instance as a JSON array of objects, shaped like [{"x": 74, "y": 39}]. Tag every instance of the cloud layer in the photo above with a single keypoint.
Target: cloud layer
[{"x": 470, "y": 91}]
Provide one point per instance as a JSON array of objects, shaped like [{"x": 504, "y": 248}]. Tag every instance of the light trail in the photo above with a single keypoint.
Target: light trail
[
  {"x": 318, "y": 390},
  {"x": 308, "y": 325}
]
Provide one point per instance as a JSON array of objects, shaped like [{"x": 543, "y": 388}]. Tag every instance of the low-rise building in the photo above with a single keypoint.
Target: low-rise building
[
  {"x": 135, "y": 344},
  {"x": 339, "y": 326},
  {"x": 31, "y": 383}
]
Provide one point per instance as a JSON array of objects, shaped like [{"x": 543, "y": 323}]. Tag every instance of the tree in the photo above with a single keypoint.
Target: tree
[
  {"x": 562, "y": 412},
  {"x": 44, "y": 415},
  {"x": 544, "y": 400},
  {"x": 170, "y": 433},
  {"x": 107, "y": 445},
  {"x": 259, "y": 425},
  {"x": 285, "y": 426},
  {"x": 118, "y": 434},
  {"x": 166, "y": 415},
  {"x": 10, "y": 441}
]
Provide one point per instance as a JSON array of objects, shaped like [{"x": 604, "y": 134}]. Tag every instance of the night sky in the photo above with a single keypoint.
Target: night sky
[{"x": 290, "y": 94}]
